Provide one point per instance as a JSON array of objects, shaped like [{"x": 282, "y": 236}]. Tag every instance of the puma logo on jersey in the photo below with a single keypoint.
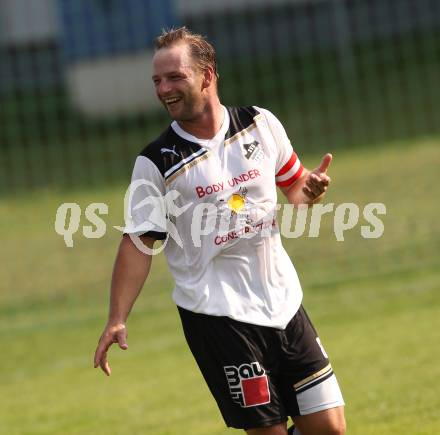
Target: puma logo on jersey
[
  {"x": 167, "y": 150},
  {"x": 248, "y": 384}
]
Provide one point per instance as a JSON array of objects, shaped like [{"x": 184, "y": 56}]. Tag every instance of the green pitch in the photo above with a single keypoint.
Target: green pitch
[{"x": 376, "y": 304}]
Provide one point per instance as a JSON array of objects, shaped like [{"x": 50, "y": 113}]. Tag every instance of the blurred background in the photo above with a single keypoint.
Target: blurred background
[
  {"x": 75, "y": 76},
  {"x": 358, "y": 78}
]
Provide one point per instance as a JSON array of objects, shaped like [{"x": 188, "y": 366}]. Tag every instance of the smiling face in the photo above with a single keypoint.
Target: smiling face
[{"x": 180, "y": 84}]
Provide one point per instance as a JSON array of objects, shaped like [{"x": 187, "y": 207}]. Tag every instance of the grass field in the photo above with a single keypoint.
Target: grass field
[{"x": 375, "y": 302}]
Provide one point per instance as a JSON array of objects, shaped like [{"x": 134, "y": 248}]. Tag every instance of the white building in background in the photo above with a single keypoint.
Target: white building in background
[
  {"x": 112, "y": 82},
  {"x": 104, "y": 85},
  {"x": 116, "y": 85},
  {"x": 23, "y": 22}
]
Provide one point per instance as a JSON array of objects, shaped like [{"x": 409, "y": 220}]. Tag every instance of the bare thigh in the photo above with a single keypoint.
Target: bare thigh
[
  {"x": 328, "y": 422},
  {"x": 278, "y": 429}
]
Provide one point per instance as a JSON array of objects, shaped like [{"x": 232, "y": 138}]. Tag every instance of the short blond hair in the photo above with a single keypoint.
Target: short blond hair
[{"x": 201, "y": 50}]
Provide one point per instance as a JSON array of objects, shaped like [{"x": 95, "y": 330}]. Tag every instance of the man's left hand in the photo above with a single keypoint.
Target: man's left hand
[{"x": 318, "y": 181}]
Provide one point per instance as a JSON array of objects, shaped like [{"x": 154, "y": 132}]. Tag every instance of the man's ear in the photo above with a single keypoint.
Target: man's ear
[{"x": 208, "y": 77}]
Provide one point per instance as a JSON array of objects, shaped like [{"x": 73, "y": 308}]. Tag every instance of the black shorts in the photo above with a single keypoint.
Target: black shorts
[{"x": 260, "y": 375}]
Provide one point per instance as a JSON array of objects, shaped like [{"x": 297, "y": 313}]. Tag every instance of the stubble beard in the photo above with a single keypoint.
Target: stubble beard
[{"x": 191, "y": 109}]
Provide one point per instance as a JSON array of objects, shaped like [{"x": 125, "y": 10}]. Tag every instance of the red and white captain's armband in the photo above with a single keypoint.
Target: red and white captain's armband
[{"x": 290, "y": 172}]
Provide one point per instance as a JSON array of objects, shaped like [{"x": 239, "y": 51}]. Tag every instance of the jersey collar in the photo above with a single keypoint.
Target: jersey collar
[{"x": 206, "y": 143}]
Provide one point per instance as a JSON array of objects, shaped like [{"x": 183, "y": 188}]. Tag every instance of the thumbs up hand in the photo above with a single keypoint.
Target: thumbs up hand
[
  {"x": 317, "y": 181},
  {"x": 325, "y": 163}
]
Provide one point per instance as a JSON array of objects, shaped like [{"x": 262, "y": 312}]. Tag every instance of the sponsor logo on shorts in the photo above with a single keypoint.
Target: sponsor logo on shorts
[{"x": 248, "y": 384}]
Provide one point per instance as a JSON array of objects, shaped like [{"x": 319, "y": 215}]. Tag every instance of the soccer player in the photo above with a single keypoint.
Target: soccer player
[{"x": 237, "y": 292}]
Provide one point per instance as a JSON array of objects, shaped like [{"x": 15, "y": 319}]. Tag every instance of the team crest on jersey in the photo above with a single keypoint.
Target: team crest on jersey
[
  {"x": 248, "y": 384},
  {"x": 253, "y": 151}
]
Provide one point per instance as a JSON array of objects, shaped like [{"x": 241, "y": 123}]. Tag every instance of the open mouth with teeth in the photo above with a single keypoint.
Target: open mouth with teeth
[{"x": 172, "y": 101}]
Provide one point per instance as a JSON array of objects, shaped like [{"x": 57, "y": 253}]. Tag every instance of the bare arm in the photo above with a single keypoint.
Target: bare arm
[
  {"x": 129, "y": 274},
  {"x": 311, "y": 186}
]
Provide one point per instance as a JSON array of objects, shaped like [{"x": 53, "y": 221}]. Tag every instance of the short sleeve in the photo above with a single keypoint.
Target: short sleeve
[
  {"x": 145, "y": 206},
  {"x": 288, "y": 166}
]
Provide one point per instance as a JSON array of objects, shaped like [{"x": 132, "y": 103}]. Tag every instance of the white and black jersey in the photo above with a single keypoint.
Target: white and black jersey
[{"x": 223, "y": 246}]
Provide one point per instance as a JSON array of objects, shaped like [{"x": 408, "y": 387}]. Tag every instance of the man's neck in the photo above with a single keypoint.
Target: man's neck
[{"x": 207, "y": 125}]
